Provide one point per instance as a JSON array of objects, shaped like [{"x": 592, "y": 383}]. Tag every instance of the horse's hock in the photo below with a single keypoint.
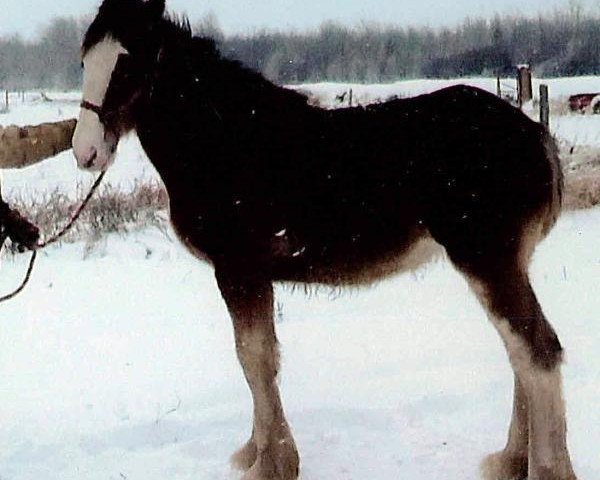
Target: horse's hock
[{"x": 24, "y": 146}]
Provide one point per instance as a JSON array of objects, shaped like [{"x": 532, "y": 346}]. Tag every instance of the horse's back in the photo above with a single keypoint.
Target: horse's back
[{"x": 459, "y": 165}]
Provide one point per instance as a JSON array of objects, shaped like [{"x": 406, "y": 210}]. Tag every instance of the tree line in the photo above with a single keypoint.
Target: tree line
[
  {"x": 564, "y": 43},
  {"x": 51, "y": 61}
]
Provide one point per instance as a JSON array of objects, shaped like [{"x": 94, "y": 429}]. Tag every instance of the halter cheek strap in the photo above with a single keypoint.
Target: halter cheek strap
[{"x": 94, "y": 108}]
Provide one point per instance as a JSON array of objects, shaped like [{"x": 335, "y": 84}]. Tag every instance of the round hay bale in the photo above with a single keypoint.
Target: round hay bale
[{"x": 24, "y": 146}]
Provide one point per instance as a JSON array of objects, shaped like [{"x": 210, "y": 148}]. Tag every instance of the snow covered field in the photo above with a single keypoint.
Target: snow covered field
[{"x": 122, "y": 366}]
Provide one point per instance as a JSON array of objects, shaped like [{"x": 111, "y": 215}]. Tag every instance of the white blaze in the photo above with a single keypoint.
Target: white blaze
[{"x": 91, "y": 149}]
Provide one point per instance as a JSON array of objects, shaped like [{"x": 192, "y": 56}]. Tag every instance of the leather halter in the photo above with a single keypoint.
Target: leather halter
[{"x": 98, "y": 110}]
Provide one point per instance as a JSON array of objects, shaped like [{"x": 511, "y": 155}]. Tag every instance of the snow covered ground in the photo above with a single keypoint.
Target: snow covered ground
[{"x": 121, "y": 366}]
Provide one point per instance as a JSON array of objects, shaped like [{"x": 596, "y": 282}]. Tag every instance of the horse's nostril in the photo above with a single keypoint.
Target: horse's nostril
[{"x": 90, "y": 161}]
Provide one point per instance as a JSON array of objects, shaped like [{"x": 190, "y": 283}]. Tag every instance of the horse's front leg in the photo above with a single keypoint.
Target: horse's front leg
[{"x": 271, "y": 453}]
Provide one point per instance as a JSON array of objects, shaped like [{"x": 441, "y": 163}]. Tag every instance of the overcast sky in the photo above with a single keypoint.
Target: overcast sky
[{"x": 28, "y": 16}]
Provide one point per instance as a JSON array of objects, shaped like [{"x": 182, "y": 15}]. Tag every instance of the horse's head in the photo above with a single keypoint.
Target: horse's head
[{"x": 118, "y": 52}]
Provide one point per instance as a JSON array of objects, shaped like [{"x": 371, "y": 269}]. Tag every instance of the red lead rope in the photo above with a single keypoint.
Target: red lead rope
[{"x": 25, "y": 235}]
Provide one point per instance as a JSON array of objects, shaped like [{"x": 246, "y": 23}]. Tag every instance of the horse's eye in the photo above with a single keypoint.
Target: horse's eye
[{"x": 82, "y": 64}]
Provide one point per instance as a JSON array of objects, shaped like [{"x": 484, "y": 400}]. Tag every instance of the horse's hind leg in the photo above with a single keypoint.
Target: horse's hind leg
[
  {"x": 511, "y": 463},
  {"x": 537, "y": 438},
  {"x": 270, "y": 454}
]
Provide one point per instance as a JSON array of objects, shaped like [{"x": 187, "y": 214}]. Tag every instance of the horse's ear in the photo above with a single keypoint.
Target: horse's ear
[{"x": 155, "y": 8}]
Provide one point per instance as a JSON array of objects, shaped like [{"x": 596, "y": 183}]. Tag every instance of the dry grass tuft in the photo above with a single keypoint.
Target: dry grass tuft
[
  {"x": 109, "y": 211},
  {"x": 582, "y": 177},
  {"x": 582, "y": 191}
]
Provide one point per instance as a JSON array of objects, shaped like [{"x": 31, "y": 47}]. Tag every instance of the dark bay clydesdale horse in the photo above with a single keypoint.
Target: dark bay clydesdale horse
[{"x": 270, "y": 189}]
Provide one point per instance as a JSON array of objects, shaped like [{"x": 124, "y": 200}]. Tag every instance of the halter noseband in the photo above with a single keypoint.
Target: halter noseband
[{"x": 98, "y": 110}]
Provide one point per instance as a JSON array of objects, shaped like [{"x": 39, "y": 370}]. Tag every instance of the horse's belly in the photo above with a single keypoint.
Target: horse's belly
[{"x": 359, "y": 267}]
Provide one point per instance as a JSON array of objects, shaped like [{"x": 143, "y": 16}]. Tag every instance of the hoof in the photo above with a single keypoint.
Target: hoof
[
  {"x": 544, "y": 473},
  {"x": 504, "y": 466},
  {"x": 267, "y": 471},
  {"x": 245, "y": 457},
  {"x": 507, "y": 466},
  {"x": 278, "y": 462}
]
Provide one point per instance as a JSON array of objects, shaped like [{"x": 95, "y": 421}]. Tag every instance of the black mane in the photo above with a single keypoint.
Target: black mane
[{"x": 136, "y": 26}]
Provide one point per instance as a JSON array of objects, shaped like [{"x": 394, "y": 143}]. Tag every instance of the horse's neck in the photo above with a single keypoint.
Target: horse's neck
[
  {"x": 183, "y": 102},
  {"x": 188, "y": 131},
  {"x": 178, "y": 143}
]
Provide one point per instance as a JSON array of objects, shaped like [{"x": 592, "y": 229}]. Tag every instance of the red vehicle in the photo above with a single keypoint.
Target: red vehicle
[{"x": 581, "y": 102}]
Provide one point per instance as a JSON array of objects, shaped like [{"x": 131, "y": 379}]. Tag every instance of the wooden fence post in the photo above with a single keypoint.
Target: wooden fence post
[
  {"x": 498, "y": 86},
  {"x": 6, "y": 99},
  {"x": 544, "y": 106},
  {"x": 524, "y": 87}
]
